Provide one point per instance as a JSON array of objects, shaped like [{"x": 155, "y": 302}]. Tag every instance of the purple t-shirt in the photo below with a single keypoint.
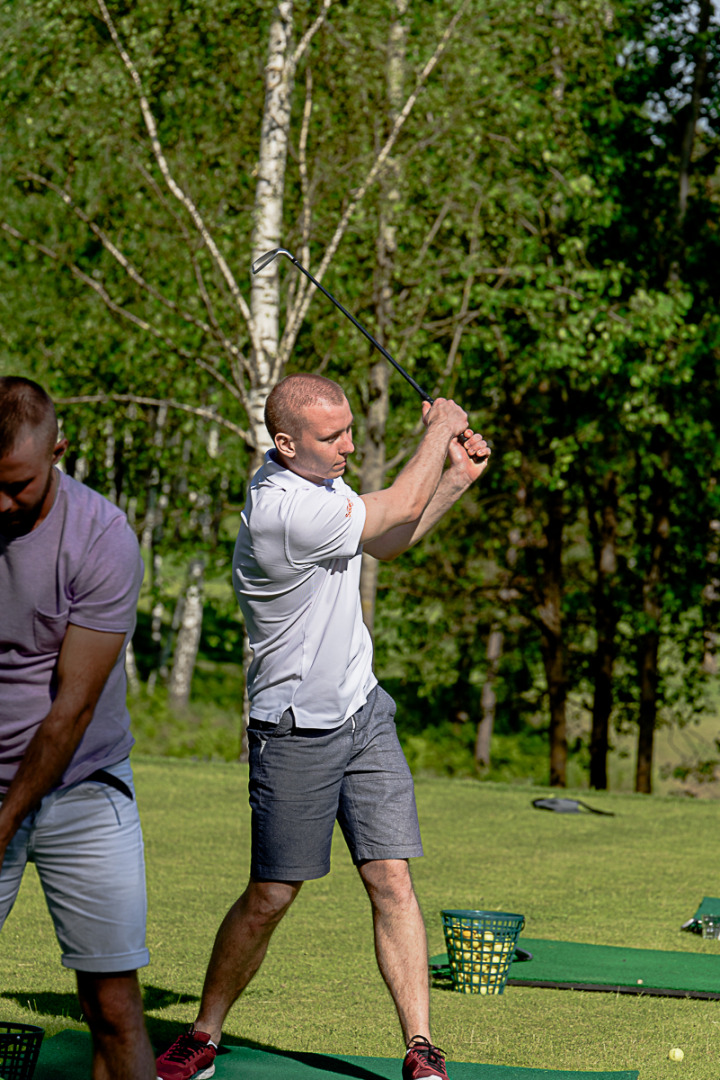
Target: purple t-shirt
[{"x": 81, "y": 565}]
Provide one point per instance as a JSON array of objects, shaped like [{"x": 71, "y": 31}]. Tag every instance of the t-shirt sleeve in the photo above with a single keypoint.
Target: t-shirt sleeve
[
  {"x": 323, "y": 525},
  {"x": 105, "y": 591}
]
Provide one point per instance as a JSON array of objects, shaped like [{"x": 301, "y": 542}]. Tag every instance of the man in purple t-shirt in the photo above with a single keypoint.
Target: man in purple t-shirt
[{"x": 70, "y": 573}]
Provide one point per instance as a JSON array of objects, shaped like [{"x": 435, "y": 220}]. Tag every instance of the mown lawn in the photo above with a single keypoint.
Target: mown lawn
[{"x": 627, "y": 880}]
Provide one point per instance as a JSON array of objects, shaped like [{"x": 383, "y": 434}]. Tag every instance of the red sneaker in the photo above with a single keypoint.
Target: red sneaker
[
  {"x": 423, "y": 1060},
  {"x": 190, "y": 1057}
]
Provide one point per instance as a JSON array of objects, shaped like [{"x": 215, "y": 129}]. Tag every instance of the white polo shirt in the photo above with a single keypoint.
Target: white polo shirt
[{"x": 296, "y": 574}]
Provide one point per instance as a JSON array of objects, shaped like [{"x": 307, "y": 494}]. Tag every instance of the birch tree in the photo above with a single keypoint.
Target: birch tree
[
  {"x": 376, "y": 415},
  {"x": 222, "y": 342},
  {"x": 241, "y": 366}
]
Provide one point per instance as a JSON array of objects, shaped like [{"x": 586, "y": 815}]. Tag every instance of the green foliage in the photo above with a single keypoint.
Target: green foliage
[
  {"x": 206, "y": 732},
  {"x": 546, "y": 275}
]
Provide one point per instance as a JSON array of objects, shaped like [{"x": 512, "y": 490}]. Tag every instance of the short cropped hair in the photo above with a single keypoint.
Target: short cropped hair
[
  {"x": 294, "y": 394},
  {"x": 25, "y": 405}
]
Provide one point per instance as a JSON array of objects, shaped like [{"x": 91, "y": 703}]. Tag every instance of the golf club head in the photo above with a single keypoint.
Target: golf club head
[{"x": 268, "y": 257}]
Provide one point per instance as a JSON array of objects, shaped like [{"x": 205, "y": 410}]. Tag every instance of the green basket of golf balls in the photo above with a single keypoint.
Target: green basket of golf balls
[
  {"x": 19, "y": 1049},
  {"x": 480, "y": 947}
]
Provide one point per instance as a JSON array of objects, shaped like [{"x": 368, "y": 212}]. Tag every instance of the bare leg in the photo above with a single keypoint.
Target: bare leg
[
  {"x": 240, "y": 947},
  {"x": 112, "y": 1005},
  {"x": 400, "y": 942}
]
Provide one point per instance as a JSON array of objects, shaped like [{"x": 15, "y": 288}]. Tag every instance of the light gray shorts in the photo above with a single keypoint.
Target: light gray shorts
[
  {"x": 87, "y": 847},
  {"x": 303, "y": 780}
]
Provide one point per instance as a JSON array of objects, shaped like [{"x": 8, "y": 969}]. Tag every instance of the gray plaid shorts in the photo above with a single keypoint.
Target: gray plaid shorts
[{"x": 302, "y": 780}]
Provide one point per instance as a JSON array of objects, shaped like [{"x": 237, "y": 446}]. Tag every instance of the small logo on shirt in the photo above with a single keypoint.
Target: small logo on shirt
[{"x": 348, "y": 512}]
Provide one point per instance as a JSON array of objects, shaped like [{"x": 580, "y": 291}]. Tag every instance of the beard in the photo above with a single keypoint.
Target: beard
[{"x": 19, "y": 522}]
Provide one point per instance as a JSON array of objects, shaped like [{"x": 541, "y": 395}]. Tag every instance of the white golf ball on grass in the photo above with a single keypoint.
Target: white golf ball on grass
[{"x": 676, "y": 1054}]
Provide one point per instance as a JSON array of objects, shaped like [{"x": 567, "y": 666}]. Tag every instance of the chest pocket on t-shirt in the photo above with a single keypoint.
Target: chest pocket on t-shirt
[{"x": 49, "y": 631}]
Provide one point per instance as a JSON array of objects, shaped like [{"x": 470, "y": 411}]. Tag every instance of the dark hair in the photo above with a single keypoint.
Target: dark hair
[
  {"x": 288, "y": 400},
  {"x": 24, "y": 404}
]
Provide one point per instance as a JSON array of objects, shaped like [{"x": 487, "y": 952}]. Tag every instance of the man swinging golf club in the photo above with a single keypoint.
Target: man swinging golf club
[{"x": 322, "y": 739}]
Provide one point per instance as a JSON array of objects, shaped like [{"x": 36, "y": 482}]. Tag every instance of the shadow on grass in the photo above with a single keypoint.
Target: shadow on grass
[
  {"x": 155, "y": 997},
  {"x": 48, "y": 1003},
  {"x": 441, "y": 982},
  {"x": 66, "y": 1006},
  {"x": 163, "y": 1032}
]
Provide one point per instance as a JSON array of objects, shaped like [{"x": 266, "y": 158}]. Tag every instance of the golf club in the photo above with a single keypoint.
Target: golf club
[{"x": 269, "y": 256}]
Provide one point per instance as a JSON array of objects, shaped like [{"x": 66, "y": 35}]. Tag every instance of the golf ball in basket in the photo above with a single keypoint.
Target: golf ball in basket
[{"x": 676, "y": 1054}]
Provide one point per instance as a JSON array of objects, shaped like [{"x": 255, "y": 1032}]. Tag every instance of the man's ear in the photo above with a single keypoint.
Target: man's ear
[
  {"x": 285, "y": 444},
  {"x": 59, "y": 450}
]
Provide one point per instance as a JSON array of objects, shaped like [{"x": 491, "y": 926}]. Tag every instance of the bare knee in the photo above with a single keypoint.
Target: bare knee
[
  {"x": 266, "y": 902},
  {"x": 111, "y": 1002},
  {"x": 388, "y": 883}
]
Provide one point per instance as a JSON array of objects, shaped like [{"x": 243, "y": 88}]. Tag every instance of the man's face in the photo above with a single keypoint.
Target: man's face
[
  {"x": 321, "y": 449},
  {"x": 26, "y": 484}
]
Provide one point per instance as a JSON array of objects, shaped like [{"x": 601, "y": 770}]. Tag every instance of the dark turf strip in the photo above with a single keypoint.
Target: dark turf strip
[{"x": 68, "y": 1056}]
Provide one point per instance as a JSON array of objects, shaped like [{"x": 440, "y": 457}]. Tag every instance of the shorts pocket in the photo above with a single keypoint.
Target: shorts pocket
[{"x": 49, "y": 630}]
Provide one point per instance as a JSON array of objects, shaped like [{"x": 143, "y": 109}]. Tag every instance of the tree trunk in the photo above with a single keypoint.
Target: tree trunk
[
  {"x": 373, "y": 476},
  {"x": 652, "y": 612},
  {"x": 155, "y": 503},
  {"x": 373, "y": 466},
  {"x": 268, "y": 221},
  {"x": 131, "y": 671},
  {"x": 551, "y": 640},
  {"x": 700, "y": 76},
  {"x": 188, "y": 638},
  {"x": 606, "y": 617},
  {"x": 487, "y": 722},
  {"x": 265, "y": 369},
  {"x": 711, "y": 603}
]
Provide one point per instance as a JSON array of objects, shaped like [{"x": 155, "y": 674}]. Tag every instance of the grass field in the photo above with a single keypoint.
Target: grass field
[{"x": 627, "y": 880}]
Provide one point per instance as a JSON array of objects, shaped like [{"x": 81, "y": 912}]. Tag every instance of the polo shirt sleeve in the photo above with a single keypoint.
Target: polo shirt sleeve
[
  {"x": 323, "y": 524},
  {"x": 105, "y": 591}
]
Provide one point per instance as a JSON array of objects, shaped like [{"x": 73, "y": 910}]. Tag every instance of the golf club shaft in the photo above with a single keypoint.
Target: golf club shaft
[{"x": 268, "y": 257}]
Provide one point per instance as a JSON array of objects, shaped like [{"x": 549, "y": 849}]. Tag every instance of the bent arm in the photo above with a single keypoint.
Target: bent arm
[
  {"x": 410, "y": 493},
  {"x": 468, "y": 463},
  {"x": 86, "y": 659}
]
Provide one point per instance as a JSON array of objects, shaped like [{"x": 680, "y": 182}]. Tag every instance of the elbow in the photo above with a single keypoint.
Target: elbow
[{"x": 414, "y": 510}]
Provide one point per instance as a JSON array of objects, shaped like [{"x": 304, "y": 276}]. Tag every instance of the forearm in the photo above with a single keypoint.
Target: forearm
[
  {"x": 41, "y": 769},
  {"x": 394, "y": 542},
  {"x": 416, "y": 484},
  {"x": 85, "y": 661}
]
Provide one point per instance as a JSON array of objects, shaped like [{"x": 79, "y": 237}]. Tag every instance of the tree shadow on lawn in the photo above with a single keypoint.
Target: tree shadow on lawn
[
  {"x": 67, "y": 1006},
  {"x": 48, "y": 1003},
  {"x": 163, "y": 1032}
]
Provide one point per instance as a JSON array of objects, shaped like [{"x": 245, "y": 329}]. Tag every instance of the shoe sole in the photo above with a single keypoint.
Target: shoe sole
[{"x": 203, "y": 1074}]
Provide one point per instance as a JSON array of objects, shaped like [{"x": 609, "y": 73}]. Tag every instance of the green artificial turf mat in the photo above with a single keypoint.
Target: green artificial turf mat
[
  {"x": 572, "y": 965},
  {"x": 710, "y": 906},
  {"x": 68, "y": 1055}
]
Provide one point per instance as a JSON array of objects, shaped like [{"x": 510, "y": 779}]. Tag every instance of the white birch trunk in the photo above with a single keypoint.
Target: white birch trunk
[
  {"x": 131, "y": 671},
  {"x": 188, "y": 639},
  {"x": 487, "y": 722},
  {"x": 268, "y": 220},
  {"x": 374, "y": 459}
]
